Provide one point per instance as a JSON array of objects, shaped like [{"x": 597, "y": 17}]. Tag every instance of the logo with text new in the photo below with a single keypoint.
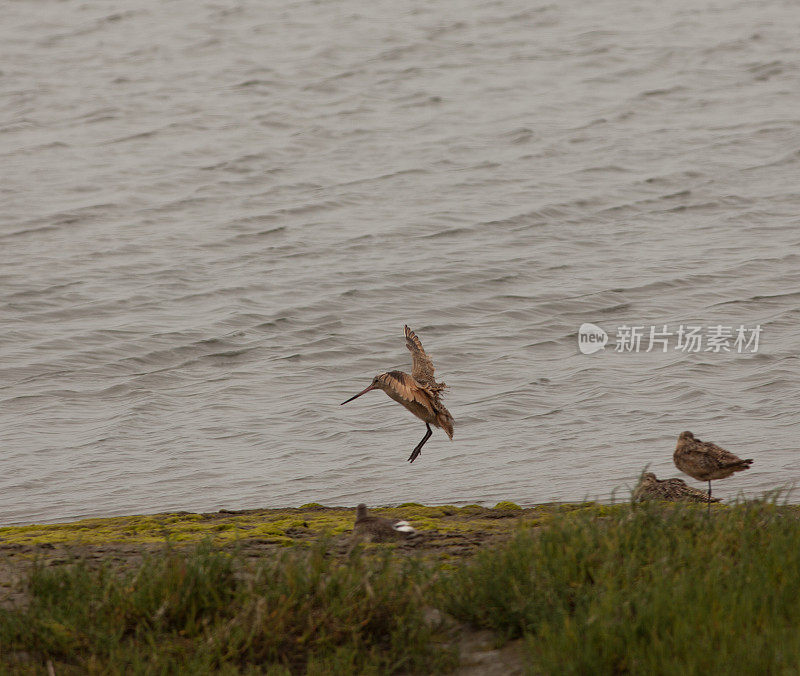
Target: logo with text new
[{"x": 591, "y": 338}]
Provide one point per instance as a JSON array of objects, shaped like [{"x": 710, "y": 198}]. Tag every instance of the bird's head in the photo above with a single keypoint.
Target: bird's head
[
  {"x": 376, "y": 383},
  {"x": 686, "y": 436}
]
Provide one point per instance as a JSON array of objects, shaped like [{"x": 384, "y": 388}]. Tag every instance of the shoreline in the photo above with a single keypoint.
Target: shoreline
[
  {"x": 444, "y": 533},
  {"x": 278, "y": 526},
  {"x": 479, "y": 590}
]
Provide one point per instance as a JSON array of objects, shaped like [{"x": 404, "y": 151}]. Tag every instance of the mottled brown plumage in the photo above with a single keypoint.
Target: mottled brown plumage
[
  {"x": 672, "y": 490},
  {"x": 422, "y": 367},
  {"x": 380, "y": 529},
  {"x": 418, "y": 392},
  {"x": 705, "y": 461}
]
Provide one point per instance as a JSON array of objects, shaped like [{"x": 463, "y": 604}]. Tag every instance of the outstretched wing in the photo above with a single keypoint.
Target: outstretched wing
[{"x": 422, "y": 368}]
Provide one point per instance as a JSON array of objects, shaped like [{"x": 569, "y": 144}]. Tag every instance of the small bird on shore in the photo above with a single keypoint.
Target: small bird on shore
[
  {"x": 378, "y": 528},
  {"x": 705, "y": 461},
  {"x": 672, "y": 490},
  {"x": 418, "y": 392}
]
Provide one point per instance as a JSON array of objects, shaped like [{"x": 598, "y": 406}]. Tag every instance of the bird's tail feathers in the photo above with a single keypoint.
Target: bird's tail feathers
[
  {"x": 739, "y": 464},
  {"x": 445, "y": 421},
  {"x": 404, "y": 527}
]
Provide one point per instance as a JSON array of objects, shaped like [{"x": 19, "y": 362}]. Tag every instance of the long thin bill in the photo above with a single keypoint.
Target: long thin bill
[{"x": 371, "y": 387}]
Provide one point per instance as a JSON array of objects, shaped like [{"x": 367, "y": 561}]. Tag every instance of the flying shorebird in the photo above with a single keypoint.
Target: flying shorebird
[
  {"x": 705, "y": 461},
  {"x": 418, "y": 392},
  {"x": 672, "y": 490},
  {"x": 378, "y": 528}
]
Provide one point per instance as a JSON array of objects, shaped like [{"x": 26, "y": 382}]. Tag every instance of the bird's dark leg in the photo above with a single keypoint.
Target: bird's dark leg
[
  {"x": 708, "y": 509},
  {"x": 418, "y": 447}
]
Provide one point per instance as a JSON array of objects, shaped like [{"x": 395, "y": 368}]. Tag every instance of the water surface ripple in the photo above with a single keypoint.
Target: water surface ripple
[{"x": 217, "y": 217}]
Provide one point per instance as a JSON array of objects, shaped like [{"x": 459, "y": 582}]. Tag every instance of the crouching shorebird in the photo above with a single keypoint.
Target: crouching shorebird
[
  {"x": 378, "y": 528},
  {"x": 418, "y": 392},
  {"x": 672, "y": 490},
  {"x": 705, "y": 461}
]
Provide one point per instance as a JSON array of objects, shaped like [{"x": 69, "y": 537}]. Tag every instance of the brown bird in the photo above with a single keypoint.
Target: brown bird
[
  {"x": 705, "y": 461},
  {"x": 378, "y": 528},
  {"x": 672, "y": 490},
  {"x": 418, "y": 392}
]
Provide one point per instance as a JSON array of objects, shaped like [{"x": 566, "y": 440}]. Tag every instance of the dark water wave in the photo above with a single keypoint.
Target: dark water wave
[{"x": 217, "y": 219}]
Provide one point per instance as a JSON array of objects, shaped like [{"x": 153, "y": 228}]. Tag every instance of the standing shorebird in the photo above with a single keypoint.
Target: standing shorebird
[
  {"x": 418, "y": 392},
  {"x": 378, "y": 528},
  {"x": 705, "y": 461}
]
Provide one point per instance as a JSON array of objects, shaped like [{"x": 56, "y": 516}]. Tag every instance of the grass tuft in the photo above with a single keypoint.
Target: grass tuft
[
  {"x": 651, "y": 589},
  {"x": 203, "y": 610}
]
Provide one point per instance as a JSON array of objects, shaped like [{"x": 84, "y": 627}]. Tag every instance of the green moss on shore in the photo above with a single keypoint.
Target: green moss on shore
[
  {"x": 273, "y": 526},
  {"x": 276, "y": 526}
]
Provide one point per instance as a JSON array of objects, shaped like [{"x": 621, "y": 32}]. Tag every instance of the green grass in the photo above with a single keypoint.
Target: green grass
[
  {"x": 653, "y": 589},
  {"x": 204, "y": 611},
  {"x": 591, "y": 589}
]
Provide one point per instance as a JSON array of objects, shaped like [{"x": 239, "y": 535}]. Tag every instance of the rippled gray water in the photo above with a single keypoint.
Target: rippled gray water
[{"x": 217, "y": 217}]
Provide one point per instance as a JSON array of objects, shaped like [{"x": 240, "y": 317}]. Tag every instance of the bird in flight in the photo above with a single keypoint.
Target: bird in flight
[{"x": 418, "y": 392}]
